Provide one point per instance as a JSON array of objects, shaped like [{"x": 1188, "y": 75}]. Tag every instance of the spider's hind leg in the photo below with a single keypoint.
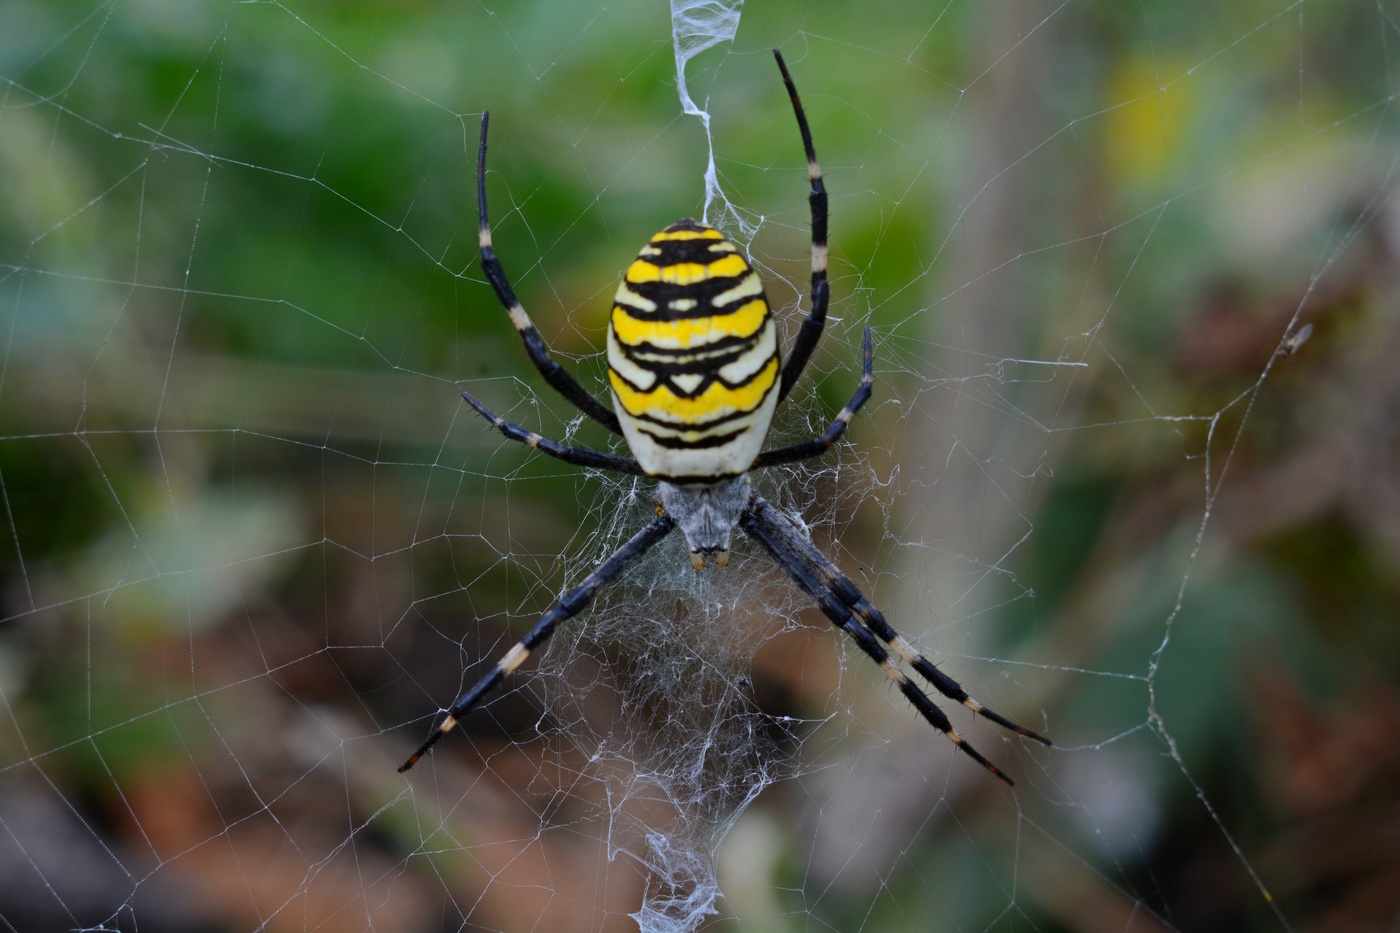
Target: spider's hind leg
[
  {"x": 553, "y": 372},
  {"x": 815, "y": 321}
]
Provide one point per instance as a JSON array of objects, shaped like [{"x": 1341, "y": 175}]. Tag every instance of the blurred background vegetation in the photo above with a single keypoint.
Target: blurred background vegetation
[{"x": 251, "y": 539}]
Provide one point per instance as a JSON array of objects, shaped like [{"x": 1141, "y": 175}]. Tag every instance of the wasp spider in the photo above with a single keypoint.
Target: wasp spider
[{"x": 695, "y": 373}]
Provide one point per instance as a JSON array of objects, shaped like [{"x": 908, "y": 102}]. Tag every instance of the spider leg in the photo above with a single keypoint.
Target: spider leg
[
  {"x": 574, "y": 602},
  {"x": 578, "y": 456},
  {"x": 556, "y": 375},
  {"x": 830, "y": 577},
  {"x": 811, "y": 329},
  {"x": 805, "y": 450},
  {"x": 787, "y": 549}
]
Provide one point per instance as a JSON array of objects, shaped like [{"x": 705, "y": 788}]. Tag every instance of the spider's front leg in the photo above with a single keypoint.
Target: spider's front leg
[
  {"x": 843, "y": 603},
  {"x": 574, "y": 602}
]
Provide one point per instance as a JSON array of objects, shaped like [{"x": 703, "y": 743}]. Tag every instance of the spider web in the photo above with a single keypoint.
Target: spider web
[{"x": 255, "y": 542}]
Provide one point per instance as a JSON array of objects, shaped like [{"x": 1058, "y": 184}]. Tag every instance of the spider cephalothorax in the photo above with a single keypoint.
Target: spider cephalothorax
[{"x": 695, "y": 372}]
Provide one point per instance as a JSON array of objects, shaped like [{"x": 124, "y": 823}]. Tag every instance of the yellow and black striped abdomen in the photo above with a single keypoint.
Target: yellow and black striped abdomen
[{"x": 693, "y": 356}]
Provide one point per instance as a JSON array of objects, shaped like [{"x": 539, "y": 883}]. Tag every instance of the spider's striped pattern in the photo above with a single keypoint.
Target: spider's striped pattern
[
  {"x": 693, "y": 356},
  {"x": 695, "y": 370}
]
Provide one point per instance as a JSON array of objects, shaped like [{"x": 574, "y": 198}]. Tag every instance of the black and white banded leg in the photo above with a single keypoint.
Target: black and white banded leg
[
  {"x": 556, "y": 375},
  {"x": 806, "y": 450},
  {"x": 843, "y": 603},
  {"x": 574, "y": 602},
  {"x": 833, "y": 580},
  {"x": 811, "y": 330},
  {"x": 578, "y": 456}
]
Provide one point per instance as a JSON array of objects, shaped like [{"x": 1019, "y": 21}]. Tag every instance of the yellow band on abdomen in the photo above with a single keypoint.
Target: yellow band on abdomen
[
  {"x": 716, "y": 401},
  {"x": 684, "y": 333}
]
